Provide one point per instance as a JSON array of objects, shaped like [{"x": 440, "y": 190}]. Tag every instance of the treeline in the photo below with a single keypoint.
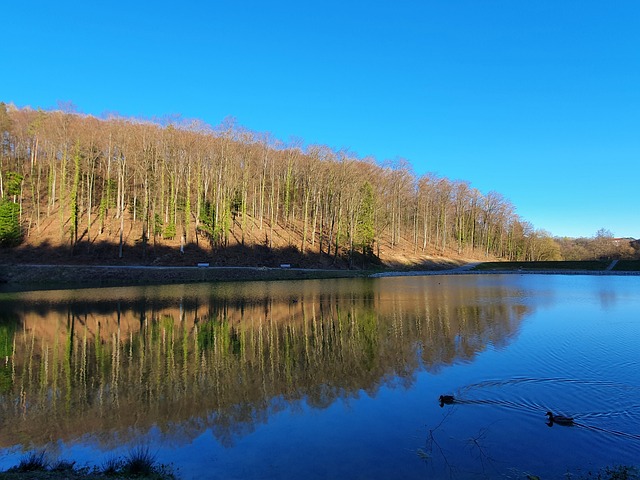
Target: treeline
[
  {"x": 186, "y": 183},
  {"x": 602, "y": 246}
]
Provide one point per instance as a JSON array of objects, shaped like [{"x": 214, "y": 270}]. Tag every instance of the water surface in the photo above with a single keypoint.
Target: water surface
[{"x": 331, "y": 378}]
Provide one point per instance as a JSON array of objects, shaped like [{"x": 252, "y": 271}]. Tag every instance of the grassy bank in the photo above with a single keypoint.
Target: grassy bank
[
  {"x": 543, "y": 266},
  {"x": 627, "y": 266},
  {"x": 138, "y": 463},
  {"x": 561, "y": 266},
  {"x": 35, "y": 277}
]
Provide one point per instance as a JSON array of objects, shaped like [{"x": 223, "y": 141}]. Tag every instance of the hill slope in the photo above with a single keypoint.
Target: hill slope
[{"x": 47, "y": 246}]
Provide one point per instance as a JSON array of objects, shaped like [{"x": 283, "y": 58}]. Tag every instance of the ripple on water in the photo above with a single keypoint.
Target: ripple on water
[{"x": 608, "y": 412}]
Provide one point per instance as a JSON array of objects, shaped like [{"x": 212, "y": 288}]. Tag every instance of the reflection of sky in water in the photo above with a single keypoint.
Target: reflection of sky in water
[{"x": 509, "y": 347}]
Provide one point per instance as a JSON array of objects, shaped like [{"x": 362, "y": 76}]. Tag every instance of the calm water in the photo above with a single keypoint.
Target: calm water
[{"x": 329, "y": 379}]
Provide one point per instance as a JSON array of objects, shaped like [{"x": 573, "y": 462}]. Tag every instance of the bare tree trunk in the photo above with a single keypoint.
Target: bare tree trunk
[{"x": 121, "y": 190}]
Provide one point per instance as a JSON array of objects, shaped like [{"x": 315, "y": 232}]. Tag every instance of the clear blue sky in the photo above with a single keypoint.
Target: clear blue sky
[{"x": 537, "y": 100}]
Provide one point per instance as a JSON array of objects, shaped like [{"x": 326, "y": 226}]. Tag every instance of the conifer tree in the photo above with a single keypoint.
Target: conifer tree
[{"x": 10, "y": 231}]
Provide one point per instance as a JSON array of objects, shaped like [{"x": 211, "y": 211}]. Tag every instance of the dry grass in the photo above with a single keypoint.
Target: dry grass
[{"x": 139, "y": 463}]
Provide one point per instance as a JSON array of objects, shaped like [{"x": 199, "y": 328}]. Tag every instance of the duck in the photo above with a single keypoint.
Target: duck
[
  {"x": 446, "y": 400},
  {"x": 560, "y": 419}
]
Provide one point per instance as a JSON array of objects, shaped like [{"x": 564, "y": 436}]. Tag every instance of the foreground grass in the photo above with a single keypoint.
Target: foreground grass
[
  {"x": 139, "y": 463},
  {"x": 619, "y": 472}
]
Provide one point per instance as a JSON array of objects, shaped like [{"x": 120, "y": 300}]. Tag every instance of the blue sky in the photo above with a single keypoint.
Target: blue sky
[{"x": 537, "y": 100}]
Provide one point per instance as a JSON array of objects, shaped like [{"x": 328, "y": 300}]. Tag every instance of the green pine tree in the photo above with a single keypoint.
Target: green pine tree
[
  {"x": 10, "y": 230},
  {"x": 365, "y": 229}
]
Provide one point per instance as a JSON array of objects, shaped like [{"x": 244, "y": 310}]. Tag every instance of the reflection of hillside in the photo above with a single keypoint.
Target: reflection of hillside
[{"x": 113, "y": 362}]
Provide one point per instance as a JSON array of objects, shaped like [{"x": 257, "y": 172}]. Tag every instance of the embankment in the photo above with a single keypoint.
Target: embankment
[{"x": 20, "y": 277}]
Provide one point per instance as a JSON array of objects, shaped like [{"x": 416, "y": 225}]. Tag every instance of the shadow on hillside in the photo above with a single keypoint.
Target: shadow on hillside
[
  {"x": 108, "y": 253},
  {"x": 432, "y": 264}
]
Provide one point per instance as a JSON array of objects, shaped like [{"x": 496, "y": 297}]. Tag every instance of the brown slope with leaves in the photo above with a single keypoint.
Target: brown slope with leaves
[
  {"x": 45, "y": 247},
  {"x": 120, "y": 191}
]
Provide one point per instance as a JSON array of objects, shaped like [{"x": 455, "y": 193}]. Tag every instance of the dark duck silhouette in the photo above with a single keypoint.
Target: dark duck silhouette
[
  {"x": 560, "y": 420},
  {"x": 446, "y": 400}
]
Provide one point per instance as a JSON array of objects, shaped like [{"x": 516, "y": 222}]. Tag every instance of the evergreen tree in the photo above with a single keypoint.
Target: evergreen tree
[
  {"x": 365, "y": 231},
  {"x": 10, "y": 231}
]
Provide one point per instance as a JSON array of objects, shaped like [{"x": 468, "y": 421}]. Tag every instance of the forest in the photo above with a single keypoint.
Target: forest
[{"x": 128, "y": 189}]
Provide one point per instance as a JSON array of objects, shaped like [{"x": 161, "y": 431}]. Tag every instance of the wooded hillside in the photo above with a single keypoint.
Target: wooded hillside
[{"x": 125, "y": 188}]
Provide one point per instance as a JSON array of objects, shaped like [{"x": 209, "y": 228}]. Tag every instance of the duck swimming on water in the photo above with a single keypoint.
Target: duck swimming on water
[
  {"x": 559, "y": 419},
  {"x": 446, "y": 400}
]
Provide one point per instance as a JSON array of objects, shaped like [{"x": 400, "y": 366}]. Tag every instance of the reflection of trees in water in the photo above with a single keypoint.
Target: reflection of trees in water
[
  {"x": 8, "y": 325},
  {"x": 226, "y": 364}
]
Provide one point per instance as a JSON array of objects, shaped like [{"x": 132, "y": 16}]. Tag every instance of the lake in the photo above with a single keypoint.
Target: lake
[{"x": 329, "y": 378}]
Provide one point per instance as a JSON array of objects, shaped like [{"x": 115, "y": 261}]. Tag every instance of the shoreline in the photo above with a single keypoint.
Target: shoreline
[
  {"x": 503, "y": 272},
  {"x": 38, "y": 277}
]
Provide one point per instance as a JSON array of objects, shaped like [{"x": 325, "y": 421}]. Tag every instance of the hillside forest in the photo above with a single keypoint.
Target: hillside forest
[{"x": 75, "y": 187}]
